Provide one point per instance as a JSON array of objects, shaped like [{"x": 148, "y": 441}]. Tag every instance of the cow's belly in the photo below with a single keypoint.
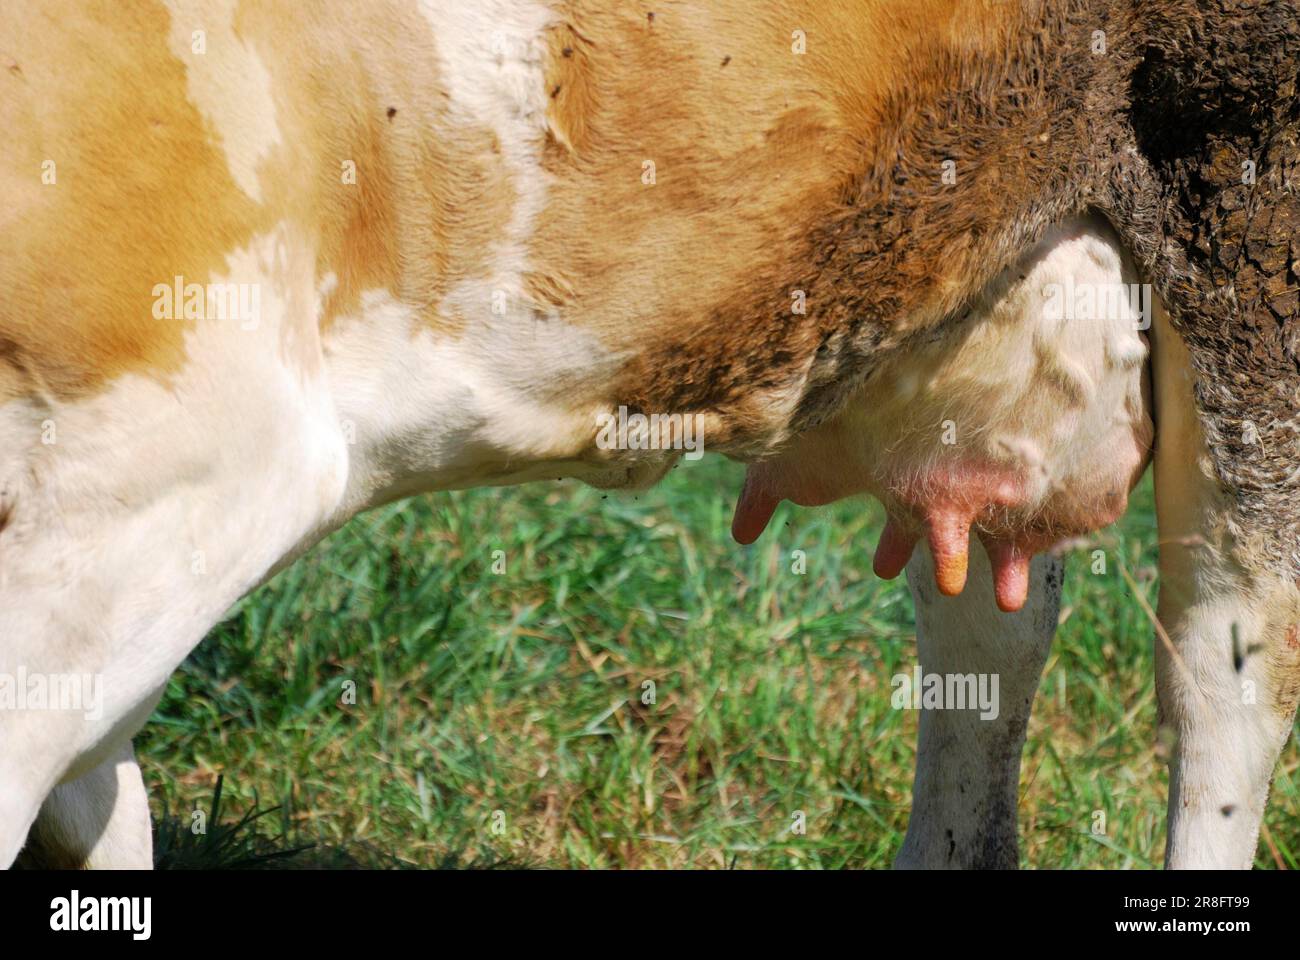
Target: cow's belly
[{"x": 1027, "y": 422}]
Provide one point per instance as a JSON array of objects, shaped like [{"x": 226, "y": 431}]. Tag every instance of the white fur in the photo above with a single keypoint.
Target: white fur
[
  {"x": 228, "y": 83},
  {"x": 1057, "y": 402},
  {"x": 159, "y": 504},
  {"x": 165, "y": 500},
  {"x": 493, "y": 61},
  {"x": 432, "y": 411},
  {"x": 99, "y": 821}
]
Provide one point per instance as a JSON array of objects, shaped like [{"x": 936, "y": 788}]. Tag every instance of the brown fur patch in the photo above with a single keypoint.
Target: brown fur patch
[
  {"x": 777, "y": 175},
  {"x": 1284, "y": 667},
  {"x": 570, "y": 86},
  {"x": 431, "y": 194},
  {"x": 141, "y": 194},
  {"x": 1223, "y": 251},
  {"x": 144, "y": 192},
  {"x": 694, "y": 273},
  {"x": 822, "y": 174},
  {"x": 819, "y": 173}
]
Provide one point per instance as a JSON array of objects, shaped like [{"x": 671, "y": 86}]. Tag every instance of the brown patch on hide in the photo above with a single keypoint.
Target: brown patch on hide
[
  {"x": 1284, "y": 667},
  {"x": 571, "y": 88},
  {"x": 145, "y": 192},
  {"x": 1041, "y": 124},
  {"x": 694, "y": 275},
  {"x": 1222, "y": 251},
  {"x": 111, "y": 181},
  {"x": 812, "y": 177},
  {"x": 432, "y": 194}
]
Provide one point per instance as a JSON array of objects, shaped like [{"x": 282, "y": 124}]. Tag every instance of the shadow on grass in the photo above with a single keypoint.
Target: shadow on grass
[{"x": 245, "y": 844}]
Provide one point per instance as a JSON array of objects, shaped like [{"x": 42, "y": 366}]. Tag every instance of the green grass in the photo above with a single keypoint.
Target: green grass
[{"x": 498, "y": 716}]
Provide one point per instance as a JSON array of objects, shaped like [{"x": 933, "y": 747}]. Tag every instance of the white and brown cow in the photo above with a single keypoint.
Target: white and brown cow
[{"x": 265, "y": 264}]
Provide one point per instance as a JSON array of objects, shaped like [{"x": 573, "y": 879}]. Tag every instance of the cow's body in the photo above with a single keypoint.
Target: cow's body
[{"x": 475, "y": 227}]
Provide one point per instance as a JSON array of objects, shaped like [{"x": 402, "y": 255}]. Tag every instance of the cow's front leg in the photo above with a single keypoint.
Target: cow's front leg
[
  {"x": 134, "y": 516},
  {"x": 964, "y": 796},
  {"x": 98, "y": 821},
  {"x": 1228, "y": 645}
]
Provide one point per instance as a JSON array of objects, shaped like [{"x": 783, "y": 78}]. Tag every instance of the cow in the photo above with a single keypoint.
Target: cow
[{"x": 265, "y": 265}]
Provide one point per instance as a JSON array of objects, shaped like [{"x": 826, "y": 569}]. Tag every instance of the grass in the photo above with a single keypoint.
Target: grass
[{"x": 497, "y": 713}]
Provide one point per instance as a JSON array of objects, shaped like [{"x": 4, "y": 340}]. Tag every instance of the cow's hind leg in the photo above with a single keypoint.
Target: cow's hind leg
[
  {"x": 98, "y": 821},
  {"x": 1208, "y": 202},
  {"x": 964, "y": 796},
  {"x": 1228, "y": 662}
]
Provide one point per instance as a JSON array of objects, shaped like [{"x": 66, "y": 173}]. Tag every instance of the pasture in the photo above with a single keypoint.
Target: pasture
[{"x": 498, "y": 715}]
